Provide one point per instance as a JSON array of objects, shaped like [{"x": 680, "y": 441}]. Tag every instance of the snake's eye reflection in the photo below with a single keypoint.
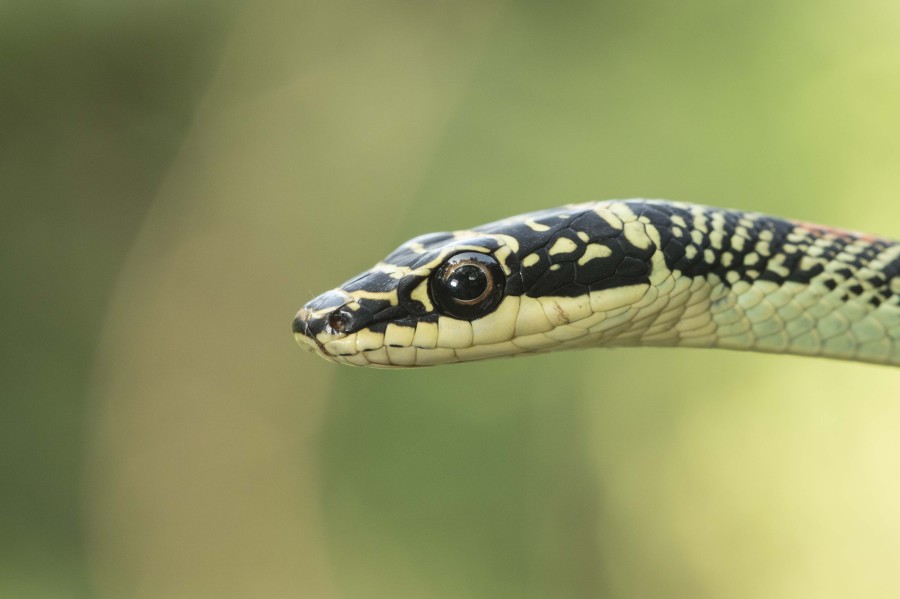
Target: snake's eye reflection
[{"x": 468, "y": 285}]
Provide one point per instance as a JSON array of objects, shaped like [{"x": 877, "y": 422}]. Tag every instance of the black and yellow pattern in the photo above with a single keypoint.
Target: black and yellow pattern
[{"x": 631, "y": 272}]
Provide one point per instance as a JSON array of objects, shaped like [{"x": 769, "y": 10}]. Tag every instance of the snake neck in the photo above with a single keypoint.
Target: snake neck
[{"x": 733, "y": 280}]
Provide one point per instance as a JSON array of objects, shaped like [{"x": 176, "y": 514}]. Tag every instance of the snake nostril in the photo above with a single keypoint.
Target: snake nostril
[
  {"x": 338, "y": 321},
  {"x": 299, "y": 325}
]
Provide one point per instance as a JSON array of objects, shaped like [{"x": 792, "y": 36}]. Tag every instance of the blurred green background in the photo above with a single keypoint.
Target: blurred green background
[{"x": 179, "y": 177}]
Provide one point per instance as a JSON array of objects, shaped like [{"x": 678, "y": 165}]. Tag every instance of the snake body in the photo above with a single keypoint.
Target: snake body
[{"x": 616, "y": 273}]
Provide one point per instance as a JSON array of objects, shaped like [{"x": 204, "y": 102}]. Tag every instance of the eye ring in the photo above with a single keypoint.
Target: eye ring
[{"x": 468, "y": 285}]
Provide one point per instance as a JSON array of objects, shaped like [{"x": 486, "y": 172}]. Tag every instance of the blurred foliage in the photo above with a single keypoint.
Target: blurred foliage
[
  {"x": 179, "y": 177},
  {"x": 96, "y": 97}
]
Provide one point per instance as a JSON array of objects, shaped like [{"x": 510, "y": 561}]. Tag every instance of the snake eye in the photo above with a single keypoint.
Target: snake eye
[{"x": 468, "y": 285}]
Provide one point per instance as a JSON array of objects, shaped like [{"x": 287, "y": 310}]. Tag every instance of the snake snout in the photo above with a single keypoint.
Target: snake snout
[
  {"x": 320, "y": 314},
  {"x": 300, "y": 324},
  {"x": 302, "y": 333}
]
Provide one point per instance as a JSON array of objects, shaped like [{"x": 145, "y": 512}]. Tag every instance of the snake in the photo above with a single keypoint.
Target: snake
[{"x": 615, "y": 273}]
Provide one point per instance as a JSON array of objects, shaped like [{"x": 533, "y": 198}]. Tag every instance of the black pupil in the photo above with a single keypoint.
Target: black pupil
[{"x": 467, "y": 282}]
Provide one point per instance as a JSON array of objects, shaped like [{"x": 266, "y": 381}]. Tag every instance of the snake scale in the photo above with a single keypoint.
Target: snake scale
[{"x": 616, "y": 273}]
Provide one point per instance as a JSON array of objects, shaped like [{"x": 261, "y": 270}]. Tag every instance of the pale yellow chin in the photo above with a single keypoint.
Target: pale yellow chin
[
  {"x": 409, "y": 356},
  {"x": 306, "y": 343}
]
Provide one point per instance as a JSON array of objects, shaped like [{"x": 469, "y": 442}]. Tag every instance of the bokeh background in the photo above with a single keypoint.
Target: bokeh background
[{"x": 178, "y": 178}]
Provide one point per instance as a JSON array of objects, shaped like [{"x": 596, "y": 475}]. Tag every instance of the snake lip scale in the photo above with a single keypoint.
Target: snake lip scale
[{"x": 616, "y": 273}]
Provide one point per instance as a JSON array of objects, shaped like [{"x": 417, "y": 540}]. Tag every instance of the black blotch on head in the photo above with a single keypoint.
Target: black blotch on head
[
  {"x": 555, "y": 281},
  {"x": 632, "y": 267},
  {"x": 376, "y": 282},
  {"x": 379, "y": 327},
  {"x": 596, "y": 227},
  {"x": 600, "y": 269},
  {"x": 390, "y": 313}
]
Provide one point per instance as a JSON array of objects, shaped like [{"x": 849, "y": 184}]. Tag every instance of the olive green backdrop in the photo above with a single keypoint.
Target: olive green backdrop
[{"x": 178, "y": 178}]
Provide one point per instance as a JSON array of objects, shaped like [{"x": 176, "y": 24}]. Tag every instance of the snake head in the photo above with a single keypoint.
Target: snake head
[
  {"x": 428, "y": 302},
  {"x": 532, "y": 283}
]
